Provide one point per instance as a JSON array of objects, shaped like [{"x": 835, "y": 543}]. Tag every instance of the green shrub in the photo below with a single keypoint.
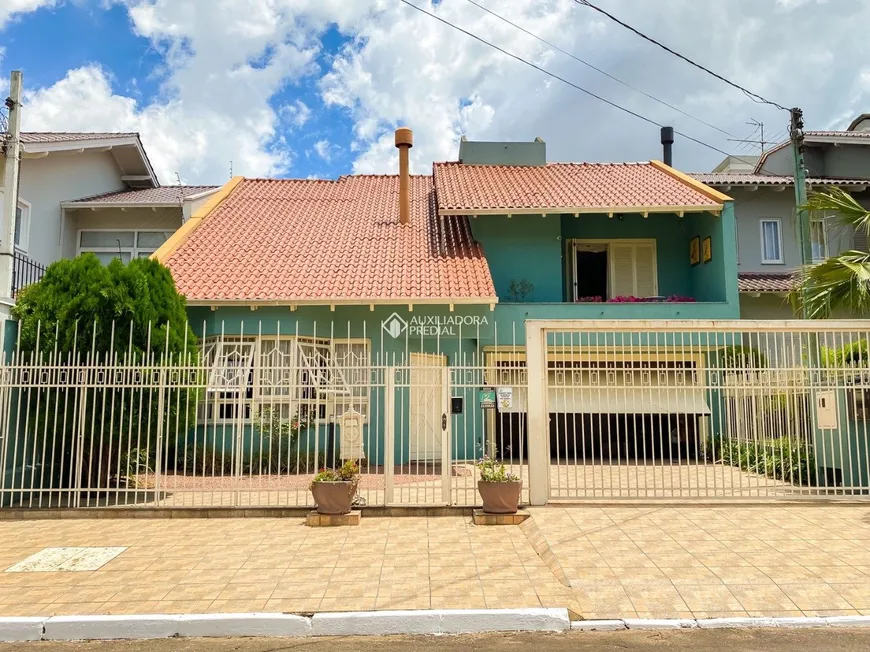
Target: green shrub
[
  {"x": 780, "y": 459},
  {"x": 83, "y": 312}
]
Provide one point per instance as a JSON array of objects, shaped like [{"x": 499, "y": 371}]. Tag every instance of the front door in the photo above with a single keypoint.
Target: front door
[{"x": 426, "y": 407}]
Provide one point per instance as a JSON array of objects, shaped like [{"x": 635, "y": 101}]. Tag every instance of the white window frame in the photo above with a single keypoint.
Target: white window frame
[
  {"x": 761, "y": 223},
  {"x": 134, "y": 251},
  {"x": 26, "y": 211},
  {"x": 609, "y": 242},
  {"x": 820, "y": 218},
  {"x": 300, "y": 398}
]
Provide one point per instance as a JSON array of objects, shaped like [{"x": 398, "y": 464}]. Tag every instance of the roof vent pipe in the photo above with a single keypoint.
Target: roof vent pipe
[
  {"x": 404, "y": 141},
  {"x": 667, "y": 145}
]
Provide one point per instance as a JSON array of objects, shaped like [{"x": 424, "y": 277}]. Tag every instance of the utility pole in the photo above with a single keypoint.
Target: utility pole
[
  {"x": 796, "y": 134},
  {"x": 12, "y": 155}
]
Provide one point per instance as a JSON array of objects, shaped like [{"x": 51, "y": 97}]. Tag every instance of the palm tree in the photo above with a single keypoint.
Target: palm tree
[{"x": 841, "y": 282}]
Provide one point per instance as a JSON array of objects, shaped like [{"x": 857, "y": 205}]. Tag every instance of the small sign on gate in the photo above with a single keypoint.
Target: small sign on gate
[
  {"x": 505, "y": 398},
  {"x": 486, "y": 398}
]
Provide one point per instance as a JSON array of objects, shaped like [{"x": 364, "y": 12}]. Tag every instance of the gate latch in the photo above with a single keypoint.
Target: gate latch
[{"x": 444, "y": 421}]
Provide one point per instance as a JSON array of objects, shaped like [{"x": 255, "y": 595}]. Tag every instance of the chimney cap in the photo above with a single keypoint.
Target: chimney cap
[
  {"x": 667, "y": 135},
  {"x": 404, "y": 136}
]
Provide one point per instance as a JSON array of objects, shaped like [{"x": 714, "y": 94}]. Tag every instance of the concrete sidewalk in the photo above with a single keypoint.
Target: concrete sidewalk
[{"x": 623, "y": 562}]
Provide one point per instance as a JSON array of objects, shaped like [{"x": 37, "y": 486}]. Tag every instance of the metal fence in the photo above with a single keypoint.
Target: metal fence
[
  {"x": 243, "y": 421},
  {"x": 704, "y": 410},
  {"x": 577, "y": 409},
  {"x": 25, "y": 272}
]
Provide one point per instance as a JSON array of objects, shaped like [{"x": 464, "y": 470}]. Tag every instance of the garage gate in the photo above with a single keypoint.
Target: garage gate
[{"x": 651, "y": 410}]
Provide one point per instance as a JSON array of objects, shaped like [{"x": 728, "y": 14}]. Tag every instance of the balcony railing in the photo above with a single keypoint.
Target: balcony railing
[{"x": 24, "y": 272}]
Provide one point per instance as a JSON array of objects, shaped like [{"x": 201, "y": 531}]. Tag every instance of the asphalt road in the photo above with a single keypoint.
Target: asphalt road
[{"x": 757, "y": 640}]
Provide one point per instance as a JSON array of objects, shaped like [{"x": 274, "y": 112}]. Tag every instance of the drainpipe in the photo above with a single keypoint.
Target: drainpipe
[
  {"x": 667, "y": 145},
  {"x": 12, "y": 153},
  {"x": 404, "y": 141}
]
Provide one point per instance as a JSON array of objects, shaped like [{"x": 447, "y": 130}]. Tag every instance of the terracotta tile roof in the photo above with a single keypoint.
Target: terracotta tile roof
[
  {"x": 838, "y": 134},
  {"x": 560, "y": 185},
  {"x": 287, "y": 240},
  {"x": 751, "y": 179},
  {"x": 167, "y": 195},
  {"x": 765, "y": 282}
]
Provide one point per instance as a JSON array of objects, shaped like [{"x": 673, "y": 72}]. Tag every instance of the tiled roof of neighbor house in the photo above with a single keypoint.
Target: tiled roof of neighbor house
[
  {"x": 65, "y": 137},
  {"x": 288, "y": 240},
  {"x": 765, "y": 282},
  {"x": 170, "y": 195},
  {"x": 809, "y": 136},
  {"x": 751, "y": 179},
  {"x": 830, "y": 133},
  {"x": 560, "y": 185}
]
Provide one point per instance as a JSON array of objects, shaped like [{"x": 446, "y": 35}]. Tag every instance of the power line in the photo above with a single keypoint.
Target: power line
[
  {"x": 753, "y": 96},
  {"x": 597, "y": 69},
  {"x": 566, "y": 81}
]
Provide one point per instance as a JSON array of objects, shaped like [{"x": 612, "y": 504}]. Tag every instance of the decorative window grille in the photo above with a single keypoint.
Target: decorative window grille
[{"x": 297, "y": 376}]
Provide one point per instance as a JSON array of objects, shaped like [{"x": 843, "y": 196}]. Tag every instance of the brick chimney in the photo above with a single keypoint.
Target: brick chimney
[{"x": 404, "y": 141}]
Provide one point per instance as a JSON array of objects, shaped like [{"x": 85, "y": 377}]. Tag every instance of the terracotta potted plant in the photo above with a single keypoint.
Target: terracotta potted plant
[
  {"x": 499, "y": 490},
  {"x": 334, "y": 489}
]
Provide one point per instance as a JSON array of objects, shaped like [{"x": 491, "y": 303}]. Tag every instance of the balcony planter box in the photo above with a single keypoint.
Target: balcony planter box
[
  {"x": 500, "y": 497},
  {"x": 333, "y": 497}
]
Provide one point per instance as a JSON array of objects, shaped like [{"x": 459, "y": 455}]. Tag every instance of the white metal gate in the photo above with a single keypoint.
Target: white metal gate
[{"x": 662, "y": 410}]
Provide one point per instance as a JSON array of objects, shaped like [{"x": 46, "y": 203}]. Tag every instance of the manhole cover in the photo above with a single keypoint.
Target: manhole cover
[{"x": 66, "y": 559}]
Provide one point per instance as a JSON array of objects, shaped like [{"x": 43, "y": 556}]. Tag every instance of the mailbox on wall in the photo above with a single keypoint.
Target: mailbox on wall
[{"x": 826, "y": 411}]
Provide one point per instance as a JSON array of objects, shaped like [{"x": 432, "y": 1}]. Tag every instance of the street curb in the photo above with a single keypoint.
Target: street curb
[
  {"x": 211, "y": 625},
  {"x": 440, "y": 621},
  {"x": 369, "y": 623},
  {"x": 22, "y": 629},
  {"x": 81, "y": 628}
]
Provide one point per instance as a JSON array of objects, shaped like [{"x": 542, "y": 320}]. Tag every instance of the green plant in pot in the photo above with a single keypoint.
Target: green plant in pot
[
  {"x": 499, "y": 490},
  {"x": 334, "y": 489}
]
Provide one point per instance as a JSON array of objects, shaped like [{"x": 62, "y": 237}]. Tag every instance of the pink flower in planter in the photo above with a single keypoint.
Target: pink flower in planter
[{"x": 588, "y": 300}]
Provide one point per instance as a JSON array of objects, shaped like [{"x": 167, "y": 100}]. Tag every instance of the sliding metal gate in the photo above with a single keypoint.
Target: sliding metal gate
[{"x": 662, "y": 410}]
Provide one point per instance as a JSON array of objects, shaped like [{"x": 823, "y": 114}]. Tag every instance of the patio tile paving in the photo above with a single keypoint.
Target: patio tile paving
[{"x": 623, "y": 561}]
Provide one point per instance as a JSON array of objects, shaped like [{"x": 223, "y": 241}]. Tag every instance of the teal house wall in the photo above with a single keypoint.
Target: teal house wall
[{"x": 535, "y": 248}]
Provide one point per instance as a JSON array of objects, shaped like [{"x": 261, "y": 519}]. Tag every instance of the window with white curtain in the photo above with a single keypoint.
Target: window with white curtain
[{"x": 771, "y": 241}]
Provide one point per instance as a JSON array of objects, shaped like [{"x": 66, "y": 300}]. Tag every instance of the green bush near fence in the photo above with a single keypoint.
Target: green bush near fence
[
  {"x": 780, "y": 459},
  {"x": 86, "y": 314}
]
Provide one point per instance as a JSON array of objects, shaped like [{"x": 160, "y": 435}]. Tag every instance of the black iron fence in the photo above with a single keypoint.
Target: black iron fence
[{"x": 24, "y": 272}]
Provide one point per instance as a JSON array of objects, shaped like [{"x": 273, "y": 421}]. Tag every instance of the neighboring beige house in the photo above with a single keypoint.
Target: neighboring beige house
[
  {"x": 768, "y": 240},
  {"x": 90, "y": 192}
]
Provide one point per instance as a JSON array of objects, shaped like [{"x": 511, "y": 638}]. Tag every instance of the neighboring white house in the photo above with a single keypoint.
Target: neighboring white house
[
  {"x": 768, "y": 237},
  {"x": 90, "y": 192}
]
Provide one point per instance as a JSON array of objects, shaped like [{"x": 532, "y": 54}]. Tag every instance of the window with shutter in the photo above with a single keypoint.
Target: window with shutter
[
  {"x": 630, "y": 267},
  {"x": 645, "y": 284},
  {"x": 622, "y": 270}
]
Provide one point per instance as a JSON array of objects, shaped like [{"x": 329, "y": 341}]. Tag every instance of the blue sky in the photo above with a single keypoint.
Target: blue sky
[{"x": 316, "y": 87}]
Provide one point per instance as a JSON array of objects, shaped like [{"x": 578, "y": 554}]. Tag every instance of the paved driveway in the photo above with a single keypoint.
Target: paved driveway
[{"x": 771, "y": 560}]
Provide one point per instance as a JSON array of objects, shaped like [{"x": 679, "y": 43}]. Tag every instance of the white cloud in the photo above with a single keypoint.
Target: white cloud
[
  {"x": 322, "y": 147},
  {"x": 225, "y": 59},
  {"x": 409, "y": 68},
  {"x": 296, "y": 114},
  {"x": 9, "y": 8}
]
